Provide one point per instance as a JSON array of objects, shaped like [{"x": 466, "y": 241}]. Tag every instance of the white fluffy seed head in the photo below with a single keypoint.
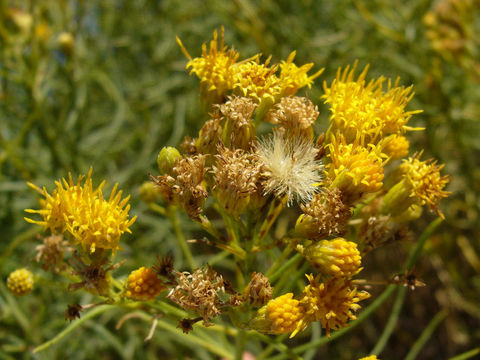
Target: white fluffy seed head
[{"x": 290, "y": 167}]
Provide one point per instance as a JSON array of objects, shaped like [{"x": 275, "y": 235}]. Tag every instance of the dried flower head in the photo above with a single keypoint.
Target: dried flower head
[
  {"x": 20, "y": 282},
  {"x": 361, "y": 109},
  {"x": 409, "y": 279},
  {"x": 294, "y": 77},
  {"x": 210, "y": 135},
  {"x": 280, "y": 316},
  {"x": 337, "y": 257},
  {"x": 164, "y": 267},
  {"x": 199, "y": 292},
  {"x": 354, "y": 169},
  {"x": 295, "y": 115},
  {"x": 187, "y": 324},
  {"x": 92, "y": 221},
  {"x": 73, "y": 312},
  {"x": 238, "y": 129},
  {"x": 332, "y": 302},
  {"x": 50, "y": 253},
  {"x": 236, "y": 174},
  {"x": 324, "y": 216},
  {"x": 375, "y": 231},
  {"x": 143, "y": 284},
  {"x": 94, "y": 276},
  {"x": 185, "y": 186},
  {"x": 258, "y": 291},
  {"x": 290, "y": 167}
]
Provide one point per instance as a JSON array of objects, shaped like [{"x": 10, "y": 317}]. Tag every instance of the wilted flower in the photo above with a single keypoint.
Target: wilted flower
[
  {"x": 199, "y": 292},
  {"x": 324, "y": 216},
  {"x": 290, "y": 167}
]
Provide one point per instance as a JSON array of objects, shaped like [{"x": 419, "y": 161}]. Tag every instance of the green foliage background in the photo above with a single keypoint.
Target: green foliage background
[{"x": 121, "y": 93}]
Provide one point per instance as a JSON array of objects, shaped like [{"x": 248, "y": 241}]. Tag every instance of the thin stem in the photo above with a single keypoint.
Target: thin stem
[
  {"x": 157, "y": 208},
  {"x": 240, "y": 343},
  {"x": 173, "y": 216},
  {"x": 391, "y": 323},
  {"x": 274, "y": 211},
  {"x": 272, "y": 277},
  {"x": 96, "y": 311},
  {"x": 466, "y": 355},
  {"x": 426, "y": 334},
  {"x": 415, "y": 252},
  {"x": 281, "y": 259}
]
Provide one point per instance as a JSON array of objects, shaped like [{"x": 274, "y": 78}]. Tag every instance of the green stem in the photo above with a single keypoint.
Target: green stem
[
  {"x": 172, "y": 215},
  {"x": 157, "y": 208},
  {"x": 96, "y": 311},
  {"x": 466, "y": 355},
  {"x": 273, "y": 276},
  {"x": 426, "y": 334},
  {"x": 281, "y": 259},
  {"x": 191, "y": 338},
  {"x": 274, "y": 211},
  {"x": 415, "y": 252},
  {"x": 240, "y": 343},
  {"x": 391, "y": 323}
]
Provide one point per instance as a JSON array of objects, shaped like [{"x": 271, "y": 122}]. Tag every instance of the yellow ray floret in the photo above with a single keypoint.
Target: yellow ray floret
[
  {"x": 83, "y": 212},
  {"x": 294, "y": 77},
  {"x": 361, "y": 109}
]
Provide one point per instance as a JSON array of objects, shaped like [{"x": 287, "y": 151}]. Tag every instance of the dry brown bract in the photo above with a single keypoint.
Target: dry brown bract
[
  {"x": 199, "y": 292},
  {"x": 185, "y": 187},
  {"x": 237, "y": 113},
  {"x": 295, "y": 115},
  {"x": 258, "y": 291},
  {"x": 325, "y": 215},
  {"x": 50, "y": 253}
]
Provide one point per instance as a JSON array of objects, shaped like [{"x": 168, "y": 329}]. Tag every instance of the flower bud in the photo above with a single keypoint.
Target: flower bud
[
  {"x": 338, "y": 257},
  {"x": 20, "y": 282},
  {"x": 166, "y": 160},
  {"x": 149, "y": 192},
  {"x": 143, "y": 284}
]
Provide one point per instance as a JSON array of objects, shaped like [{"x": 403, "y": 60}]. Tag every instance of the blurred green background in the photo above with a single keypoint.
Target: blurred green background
[{"x": 103, "y": 84}]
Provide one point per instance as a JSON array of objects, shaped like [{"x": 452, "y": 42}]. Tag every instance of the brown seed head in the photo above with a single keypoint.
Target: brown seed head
[{"x": 258, "y": 291}]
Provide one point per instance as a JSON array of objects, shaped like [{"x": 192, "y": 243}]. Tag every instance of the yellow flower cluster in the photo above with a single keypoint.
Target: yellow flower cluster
[
  {"x": 143, "y": 284},
  {"x": 219, "y": 72},
  {"x": 20, "y": 282},
  {"x": 363, "y": 110},
  {"x": 92, "y": 221}
]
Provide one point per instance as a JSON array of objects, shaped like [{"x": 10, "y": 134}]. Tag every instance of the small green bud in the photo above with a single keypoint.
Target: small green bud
[
  {"x": 166, "y": 159},
  {"x": 149, "y": 192}
]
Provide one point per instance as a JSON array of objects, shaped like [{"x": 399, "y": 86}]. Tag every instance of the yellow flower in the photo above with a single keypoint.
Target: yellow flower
[
  {"x": 20, "y": 282},
  {"x": 371, "y": 357},
  {"x": 354, "y": 169},
  {"x": 420, "y": 184},
  {"x": 257, "y": 81},
  {"x": 363, "y": 110},
  {"x": 337, "y": 257},
  {"x": 280, "y": 316},
  {"x": 294, "y": 77},
  {"x": 215, "y": 67},
  {"x": 83, "y": 212},
  {"x": 143, "y": 284},
  {"x": 395, "y": 146},
  {"x": 332, "y": 302}
]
